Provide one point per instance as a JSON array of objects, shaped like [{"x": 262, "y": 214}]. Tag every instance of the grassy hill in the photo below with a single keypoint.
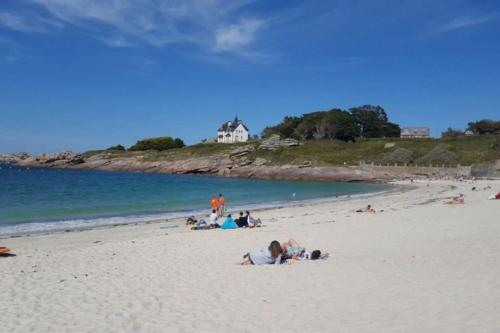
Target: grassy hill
[{"x": 461, "y": 150}]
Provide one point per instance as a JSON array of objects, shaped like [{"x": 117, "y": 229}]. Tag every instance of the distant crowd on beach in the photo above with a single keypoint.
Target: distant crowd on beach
[{"x": 218, "y": 208}]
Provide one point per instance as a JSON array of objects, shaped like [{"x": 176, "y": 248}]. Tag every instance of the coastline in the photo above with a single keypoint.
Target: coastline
[
  {"x": 177, "y": 218},
  {"x": 415, "y": 265}
]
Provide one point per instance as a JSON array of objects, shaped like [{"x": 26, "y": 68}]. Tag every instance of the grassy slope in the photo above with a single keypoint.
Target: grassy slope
[{"x": 470, "y": 150}]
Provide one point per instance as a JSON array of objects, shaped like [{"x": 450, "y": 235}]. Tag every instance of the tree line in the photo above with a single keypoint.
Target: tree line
[
  {"x": 365, "y": 121},
  {"x": 480, "y": 127}
]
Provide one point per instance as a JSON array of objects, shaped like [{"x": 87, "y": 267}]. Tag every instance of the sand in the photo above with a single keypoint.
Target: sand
[{"x": 418, "y": 266}]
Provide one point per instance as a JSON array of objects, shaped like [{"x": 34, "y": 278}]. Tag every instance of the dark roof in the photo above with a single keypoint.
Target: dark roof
[{"x": 230, "y": 126}]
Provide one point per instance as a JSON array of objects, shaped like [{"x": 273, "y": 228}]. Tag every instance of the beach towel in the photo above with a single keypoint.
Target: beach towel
[{"x": 229, "y": 224}]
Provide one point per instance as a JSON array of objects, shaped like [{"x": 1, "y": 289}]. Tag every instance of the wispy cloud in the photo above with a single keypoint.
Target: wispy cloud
[
  {"x": 235, "y": 36},
  {"x": 466, "y": 22},
  {"x": 214, "y": 26},
  {"x": 27, "y": 22}
]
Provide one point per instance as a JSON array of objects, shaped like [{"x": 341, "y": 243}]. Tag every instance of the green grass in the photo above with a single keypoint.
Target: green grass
[{"x": 470, "y": 150}]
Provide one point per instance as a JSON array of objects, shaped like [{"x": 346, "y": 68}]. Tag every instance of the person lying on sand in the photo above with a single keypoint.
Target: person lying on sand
[
  {"x": 5, "y": 252},
  {"x": 494, "y": 196},
  {"x": 456, "y": 201},
  {"x": 368, "y": 209},
  {"x": 270, "y": 256},
  {"x": 292, "y": 250}
]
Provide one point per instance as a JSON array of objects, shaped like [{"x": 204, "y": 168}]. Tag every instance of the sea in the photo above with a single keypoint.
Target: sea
[{"x": 36, "y": 200}]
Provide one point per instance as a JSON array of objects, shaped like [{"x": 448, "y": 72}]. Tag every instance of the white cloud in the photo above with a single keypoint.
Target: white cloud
[
  {"x": 236, "y": 36},
  {"x": 466, "y": 22},
  {"x": 212, "y": 25}
]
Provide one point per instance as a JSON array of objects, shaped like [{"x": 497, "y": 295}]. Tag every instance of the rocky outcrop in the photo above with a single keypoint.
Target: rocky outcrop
[
  {"x": 46, "y": 159},
  {"x": 274, "y": 142},
  {"x": 237, "y": 163}
]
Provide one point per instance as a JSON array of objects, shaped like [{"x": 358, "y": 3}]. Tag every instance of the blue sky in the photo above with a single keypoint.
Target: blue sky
[{"x": 87, "y": 74}]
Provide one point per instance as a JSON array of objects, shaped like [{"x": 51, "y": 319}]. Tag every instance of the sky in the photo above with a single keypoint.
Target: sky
[{"x": 88, "y": 74}]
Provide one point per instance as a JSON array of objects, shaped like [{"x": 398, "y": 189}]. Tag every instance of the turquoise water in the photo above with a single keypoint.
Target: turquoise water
[{"x": 49, "y": 199}]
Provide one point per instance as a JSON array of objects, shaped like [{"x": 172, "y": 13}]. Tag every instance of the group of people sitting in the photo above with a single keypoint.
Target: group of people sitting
[
  {"x": 277, "y": 254},
  {"x": 243, "y": 221}
]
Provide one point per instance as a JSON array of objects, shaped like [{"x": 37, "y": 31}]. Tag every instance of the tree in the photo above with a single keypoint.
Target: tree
[
  {"x": 117, "y": 147},
  {"x": 368, "y": 121},
  {"x": 284, "y": 129},
  {"x": 484, "y": 126},
  {"x": 371, "y": 121},
  {"x": 160, "y": 143},
  {"x": 451, "y": 133}
]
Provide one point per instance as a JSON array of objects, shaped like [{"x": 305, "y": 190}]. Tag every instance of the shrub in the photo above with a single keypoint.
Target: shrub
[
  {"x": 439, "y": 155},
  {"x": 161, "y": 143},
  {"x": 117, "y": 147},
  {"x": 399, "y": 155}
]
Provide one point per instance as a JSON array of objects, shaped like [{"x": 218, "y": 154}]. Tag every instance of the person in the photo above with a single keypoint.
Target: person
[
  {"x": 5, "y": 252},
  {"x": 252, "y": 223},
  {"x": 291, "y": 248},
  {"x": 242, "y": 221},
  {"x": 229, "y": 223},
  {"x": 214, "y": 203},
  {"x": 368, "y": 209},
  {"x": 222, "y": 204},
  {"x": 456, "y": 200},
  {"x": 270, "y": 256},
  {"x": 316, "y": 254},
  {"x": 191, "y": 220},
  {"x": 213, "y": 219},
  {"x": 494, "y": 196}
]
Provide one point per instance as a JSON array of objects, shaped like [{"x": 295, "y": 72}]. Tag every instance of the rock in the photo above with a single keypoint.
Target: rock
[
  {"x": 22, "y": 155},
  {"x": 240, "y": 152},
  {"x": 259, "y": 161},
  {"x": 306, "y": 164},
  {"x": 275, "y": 142},
  {"x": 61, "y": 158}
]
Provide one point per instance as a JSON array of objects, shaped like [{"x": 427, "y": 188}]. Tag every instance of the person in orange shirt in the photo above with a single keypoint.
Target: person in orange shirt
[
  {"x": 222, "y": 204},
  {"x": 214, "y": 203}
]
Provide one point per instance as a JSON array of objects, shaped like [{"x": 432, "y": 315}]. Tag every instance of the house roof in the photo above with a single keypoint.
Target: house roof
[
  {"x": 422, "y": 131},
  {"x": 230, "y": 126}
]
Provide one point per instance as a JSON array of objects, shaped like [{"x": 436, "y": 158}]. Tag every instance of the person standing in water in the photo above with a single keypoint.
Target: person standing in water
[{"x": 222, "y": 204}]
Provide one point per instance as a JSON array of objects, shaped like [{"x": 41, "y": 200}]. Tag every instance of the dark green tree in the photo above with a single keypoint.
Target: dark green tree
[
  {"x": 451, "y": 133},
  {"x": 484, "y": 126},
  {"x": 117, "y": 147},
  {"x": 160, "y": 143}
]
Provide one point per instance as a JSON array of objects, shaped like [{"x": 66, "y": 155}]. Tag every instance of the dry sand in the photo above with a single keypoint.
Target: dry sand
[{"x": 419, "y": 266}]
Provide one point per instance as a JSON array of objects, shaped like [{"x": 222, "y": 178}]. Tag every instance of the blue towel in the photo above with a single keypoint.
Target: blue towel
[{"x": 229, "y": 224}]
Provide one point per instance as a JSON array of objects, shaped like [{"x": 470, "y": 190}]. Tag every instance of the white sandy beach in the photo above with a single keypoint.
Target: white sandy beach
[{"x": 418, "y": 266}]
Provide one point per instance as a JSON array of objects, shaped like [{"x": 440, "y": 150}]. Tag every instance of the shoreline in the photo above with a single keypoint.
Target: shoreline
[{"x": 179, "y": 216}]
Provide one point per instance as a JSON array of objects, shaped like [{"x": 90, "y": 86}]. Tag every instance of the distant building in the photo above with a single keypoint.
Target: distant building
[
  {"x": 415, "y": 132},
  {"x": 232, "y": 131},
  {"x": 469, "y": 133}
]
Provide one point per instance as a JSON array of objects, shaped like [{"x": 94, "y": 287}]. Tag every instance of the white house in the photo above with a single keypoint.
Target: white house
[{"x": 232, "y": 131}]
